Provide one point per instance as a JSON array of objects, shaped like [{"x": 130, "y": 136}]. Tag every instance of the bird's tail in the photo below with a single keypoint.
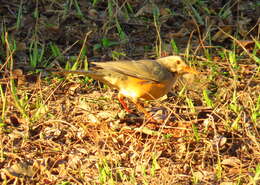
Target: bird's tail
[
  {"x": 63, "y": 71},
  {"x": 89, "y": 73}
]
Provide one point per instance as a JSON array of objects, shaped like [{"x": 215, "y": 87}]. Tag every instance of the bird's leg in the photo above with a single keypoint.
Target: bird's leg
[
  {"x": 138, "y": 105},
  {"x": 123, "y": 103},
  {"x": 142, "y": 109}
]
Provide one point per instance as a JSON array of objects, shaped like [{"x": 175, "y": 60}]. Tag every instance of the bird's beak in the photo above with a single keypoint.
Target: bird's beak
[{"x": 188, "y": 69}]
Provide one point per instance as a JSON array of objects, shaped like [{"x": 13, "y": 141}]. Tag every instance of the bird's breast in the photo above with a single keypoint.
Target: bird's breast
[{"x": 135, "y": 88}]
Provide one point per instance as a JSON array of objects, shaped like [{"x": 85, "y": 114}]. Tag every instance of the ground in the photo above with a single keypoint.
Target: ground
[{"x": 69, "y": 129}]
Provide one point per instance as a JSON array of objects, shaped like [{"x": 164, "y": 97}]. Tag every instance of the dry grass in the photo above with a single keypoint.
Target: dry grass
[{"x": 73, "y": 130}]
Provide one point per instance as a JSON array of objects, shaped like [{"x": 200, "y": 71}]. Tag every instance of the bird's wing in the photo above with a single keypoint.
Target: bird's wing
[{"x": 143, "y": 69}]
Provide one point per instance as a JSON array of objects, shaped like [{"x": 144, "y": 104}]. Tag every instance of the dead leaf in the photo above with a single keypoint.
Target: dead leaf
[
  {"x": 242, "y": 26},
  {"x": 220, "y": 36},
  {"x": 232, "y": 161},
  {"x": 147, "y": 131},
  {"x": 198, "y": 175},
  {"x": 21, "y": 169},
  {"x": 181, "y": 33},
  {"x": 227, "y": 183},
  {"x": 248, "y": 44},
  {"x": 15, "y": 121},
  {"x": 148, "y": 8}
]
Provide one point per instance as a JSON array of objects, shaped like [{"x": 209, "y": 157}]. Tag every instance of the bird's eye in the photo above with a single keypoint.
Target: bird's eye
[{"x": 178, "y": 62}]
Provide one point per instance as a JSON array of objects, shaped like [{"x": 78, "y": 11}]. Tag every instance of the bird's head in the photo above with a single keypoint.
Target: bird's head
[{"x": 176, "y": 64}]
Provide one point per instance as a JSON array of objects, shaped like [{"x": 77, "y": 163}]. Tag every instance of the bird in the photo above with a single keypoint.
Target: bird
[{"x": 138, "y": 80}]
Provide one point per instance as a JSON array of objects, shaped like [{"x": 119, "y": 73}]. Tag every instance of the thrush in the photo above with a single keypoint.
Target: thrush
[{"x": 138, "y": 79}]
